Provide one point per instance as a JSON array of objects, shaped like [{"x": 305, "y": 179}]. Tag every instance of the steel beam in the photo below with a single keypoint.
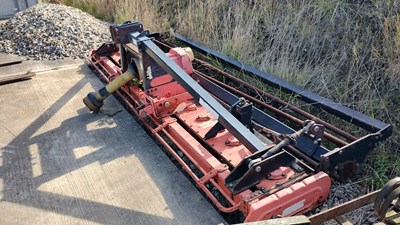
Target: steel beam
[
  {"x": 344, "y": 208},
  {"x": 234, "y": 126},
  {"x": 294, "y": 220}
]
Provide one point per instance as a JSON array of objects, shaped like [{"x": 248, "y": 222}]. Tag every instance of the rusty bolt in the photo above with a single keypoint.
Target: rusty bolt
[
  {"x": 166, "y": 104},
  {"x": 191, "y": 107},
  {"x": 258, "y": 169},
  {"x": 232, "y": 141},
  {"x": 203, "y": 117},
  {"x": 316, "y": 128}
]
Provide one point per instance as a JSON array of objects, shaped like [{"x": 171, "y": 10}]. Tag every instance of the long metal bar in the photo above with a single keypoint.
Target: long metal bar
[
  {"x": 283, "y": 103},
  {"x": 248, "y": 139},
  {"x": 344, "y": 208},
  {"x": 352, "y": 116},
  {"x": 328, "y": 136}
]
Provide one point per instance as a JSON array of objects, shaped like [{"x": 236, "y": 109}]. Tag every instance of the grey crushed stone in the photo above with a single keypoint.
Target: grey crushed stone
[{"x": 52, "y": 31}]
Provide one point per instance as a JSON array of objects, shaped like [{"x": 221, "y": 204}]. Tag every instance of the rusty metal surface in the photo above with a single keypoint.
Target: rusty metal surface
[
  {"x": 387, "y": 203},
  {"x": 294, "y": 220},
  {"x": 344, "y": 208}
]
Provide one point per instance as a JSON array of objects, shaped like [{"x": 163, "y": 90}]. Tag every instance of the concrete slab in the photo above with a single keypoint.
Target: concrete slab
[
  {"x": 36, "y": 66},
  {"x": 60, "y": 164}
]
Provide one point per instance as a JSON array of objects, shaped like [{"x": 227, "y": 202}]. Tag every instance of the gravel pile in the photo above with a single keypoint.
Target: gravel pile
[{"x": 51, "y": 31}]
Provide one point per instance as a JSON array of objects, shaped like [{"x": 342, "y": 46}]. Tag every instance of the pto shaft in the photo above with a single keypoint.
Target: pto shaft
[{"x": 94, "y": 100}]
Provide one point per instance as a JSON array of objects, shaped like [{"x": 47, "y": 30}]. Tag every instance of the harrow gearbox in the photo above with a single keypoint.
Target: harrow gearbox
[{"x": 240, "y": 156}]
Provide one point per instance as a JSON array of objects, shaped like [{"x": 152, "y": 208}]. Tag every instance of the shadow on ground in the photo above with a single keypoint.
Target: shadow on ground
[{"x": 117, "y": 137}]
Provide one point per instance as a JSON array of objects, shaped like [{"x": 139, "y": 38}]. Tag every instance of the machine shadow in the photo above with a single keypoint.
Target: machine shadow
[{"x": 57, "y": 151}]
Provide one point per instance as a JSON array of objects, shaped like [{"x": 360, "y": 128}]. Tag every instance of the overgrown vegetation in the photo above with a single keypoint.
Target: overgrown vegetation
[{"x": 345, "y": 50}]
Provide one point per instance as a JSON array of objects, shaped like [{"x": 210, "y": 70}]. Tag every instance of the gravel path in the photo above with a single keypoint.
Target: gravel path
[{"x": 51, "y": 31}]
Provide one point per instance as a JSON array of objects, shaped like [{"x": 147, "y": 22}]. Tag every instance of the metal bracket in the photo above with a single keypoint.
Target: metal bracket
[
  {"x": 120, "y": 32},
  {"x": 206, "y": 178},
  {"x": 243, "y": 177},
  {"x": 242, "y": 110},
  {"x": 163, "y": 125},
  {"x": 235, "y": 127}
]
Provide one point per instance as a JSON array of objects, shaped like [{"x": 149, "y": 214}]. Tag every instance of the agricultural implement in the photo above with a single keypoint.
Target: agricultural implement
[{"x": 249, "y": 151}]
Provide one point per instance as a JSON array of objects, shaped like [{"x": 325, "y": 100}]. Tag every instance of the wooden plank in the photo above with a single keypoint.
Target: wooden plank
[
  {"x": 27, "y": 69},
  {"x": 15, "y": 77},
  {"x": 9, "y": 61},
  {"x": 39, "y": 66}
]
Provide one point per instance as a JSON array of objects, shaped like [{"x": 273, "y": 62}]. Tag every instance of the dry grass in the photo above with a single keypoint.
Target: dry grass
[
  {"x": 102, "y": 9},
  {"x": 345, "y": 50}
]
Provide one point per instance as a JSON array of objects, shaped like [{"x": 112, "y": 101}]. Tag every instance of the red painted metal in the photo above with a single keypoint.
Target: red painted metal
[
  {"x": 290, "y": 192},
  {"x": 298, "y": 198}
]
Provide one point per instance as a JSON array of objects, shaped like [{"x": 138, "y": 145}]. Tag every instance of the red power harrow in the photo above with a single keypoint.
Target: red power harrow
[{"x": 237, "y": 148}]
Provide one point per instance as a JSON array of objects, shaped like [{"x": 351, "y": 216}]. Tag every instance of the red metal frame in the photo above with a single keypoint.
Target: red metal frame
[{"x": 291, "y": 192}]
